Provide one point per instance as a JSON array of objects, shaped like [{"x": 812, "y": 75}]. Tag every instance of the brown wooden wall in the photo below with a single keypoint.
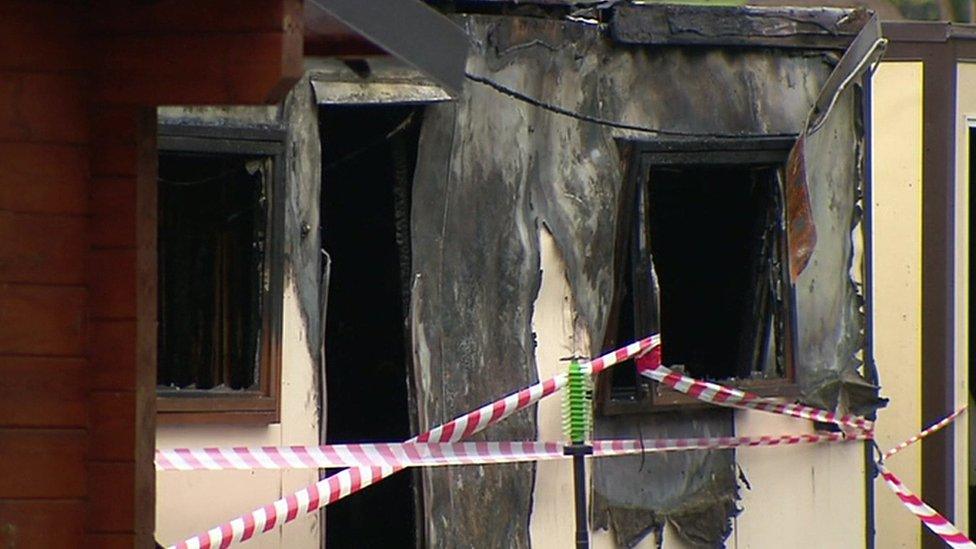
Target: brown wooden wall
[
  {"x": 78, "y": 91},
  {"x": 44, "y": 185}
]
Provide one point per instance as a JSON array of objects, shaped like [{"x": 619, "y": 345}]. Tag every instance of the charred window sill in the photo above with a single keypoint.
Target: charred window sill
[{"x": 653, "y": 397}]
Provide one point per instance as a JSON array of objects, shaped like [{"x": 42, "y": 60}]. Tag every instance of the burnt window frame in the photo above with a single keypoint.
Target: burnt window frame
[
  {"x": 263, "y": 405},
  {"x": 640, "y": 158}
]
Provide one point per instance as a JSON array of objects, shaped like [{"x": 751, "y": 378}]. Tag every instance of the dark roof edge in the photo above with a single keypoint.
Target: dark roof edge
[
  {"x": 762, "y": 26},
  {"x": 927, "y": 31}
]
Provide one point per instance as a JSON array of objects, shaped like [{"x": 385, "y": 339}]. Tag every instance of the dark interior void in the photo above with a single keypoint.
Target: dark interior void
[
  {"x": 368, "y": 156},
  {"x": 714, "y": 238},
  {"x": 212, "y": 222}
]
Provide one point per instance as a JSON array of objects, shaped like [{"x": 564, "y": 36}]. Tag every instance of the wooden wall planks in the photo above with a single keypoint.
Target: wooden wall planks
[
  {"x": 113, "y": 354},
  {"x": 43, "y": 392},
  {"x": 42, "y": 523},
  {"x": 215, "y": 16},
  {"x": 41, "y": 36},
  {"x": 43, "y": 178},
  {"x": 44, "y": 172},
  {"x": 42, "y": 107},
  {"x": 79, "y": 84},
  {"x": 47, "y": 249},
  {"x": 113, "y": 219},
  {"x": 43, "y": 463},
  {"x": 42, "y": 320},
  {"x": 112, "y": 281}
]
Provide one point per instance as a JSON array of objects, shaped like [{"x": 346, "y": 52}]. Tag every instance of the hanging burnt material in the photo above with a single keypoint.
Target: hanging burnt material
[
  {"x": 802, "y": 231},
  {"x": 826, "y": 175}
]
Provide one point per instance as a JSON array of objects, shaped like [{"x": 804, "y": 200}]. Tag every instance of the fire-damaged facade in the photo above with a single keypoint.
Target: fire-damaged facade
[
  {"x": 698, "y": 172},
  {"x": 268, "y": 228},
  {"x": 602, "y": 175}
]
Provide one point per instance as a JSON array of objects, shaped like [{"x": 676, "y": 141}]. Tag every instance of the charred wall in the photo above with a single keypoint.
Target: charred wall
[{"x": 492, "y": 169}]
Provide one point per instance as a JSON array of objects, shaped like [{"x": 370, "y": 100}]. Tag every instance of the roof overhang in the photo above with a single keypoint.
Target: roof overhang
[
  {"x": 388, "y": 82},
  {"x": 408, "y": 29}
]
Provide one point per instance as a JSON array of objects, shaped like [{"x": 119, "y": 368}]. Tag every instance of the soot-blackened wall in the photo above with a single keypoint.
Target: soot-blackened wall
[{"x": 493, "y": 169}]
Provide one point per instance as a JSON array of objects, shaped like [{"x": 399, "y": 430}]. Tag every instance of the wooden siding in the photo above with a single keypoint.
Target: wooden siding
[
  {"x": 44, "y": 134},
  {"x": 78, "y": 89}
]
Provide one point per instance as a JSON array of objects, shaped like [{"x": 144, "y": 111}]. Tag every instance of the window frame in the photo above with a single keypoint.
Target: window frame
[
  {"x": 640, "y": 157},
  {"x": 261, "y": 406}
]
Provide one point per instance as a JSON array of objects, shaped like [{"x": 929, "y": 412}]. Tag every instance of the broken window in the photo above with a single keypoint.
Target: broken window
[
  {"x": 215, "y": 241},
  {"x": 705, "y": 265}
]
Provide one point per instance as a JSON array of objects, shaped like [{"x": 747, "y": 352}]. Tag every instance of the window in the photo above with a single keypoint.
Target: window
[
  {"x": 704, "y": 262},
  {"x": 219, "y": 279}
]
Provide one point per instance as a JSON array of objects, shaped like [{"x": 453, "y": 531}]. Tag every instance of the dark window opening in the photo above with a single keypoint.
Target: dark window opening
[
  {"x": 703, "y": 263},
  {"x": 212, "y": 225},
  {"x": 715, "y": 239},
  {"x": 368, "y": 162}
]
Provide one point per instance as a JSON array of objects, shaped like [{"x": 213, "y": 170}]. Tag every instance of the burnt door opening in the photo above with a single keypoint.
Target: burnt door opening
[{"x": 368, "y": 157}]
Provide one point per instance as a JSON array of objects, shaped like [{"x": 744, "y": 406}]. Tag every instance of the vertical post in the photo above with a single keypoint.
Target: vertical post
[
  {"x": 577, "y": 423},
  {"x": 579, "y": 453}
]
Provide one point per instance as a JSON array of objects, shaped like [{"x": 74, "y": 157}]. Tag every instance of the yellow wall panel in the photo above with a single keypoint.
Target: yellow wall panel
[
  {"x": 896, "y": 262},
  {"x": 965, "y": 119}
]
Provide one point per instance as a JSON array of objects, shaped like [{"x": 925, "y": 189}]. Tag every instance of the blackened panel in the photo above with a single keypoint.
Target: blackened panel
[
  {"x": 302, "y": 240},
  {"x": 477, "y": 273},
  {"x": 696, "y": 491}
]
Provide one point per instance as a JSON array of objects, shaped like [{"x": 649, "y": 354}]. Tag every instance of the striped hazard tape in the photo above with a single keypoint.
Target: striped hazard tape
[
  {"x": 935, "y": 522},
  {"x": 931, "y": 429},
  {"x": 650, "y": 366},
  {"x": 473, "y": 422},
  {"x": 346, "y": 482},
  {"x": 371, "y": 463},
  {"x": 423, "y": 454}
]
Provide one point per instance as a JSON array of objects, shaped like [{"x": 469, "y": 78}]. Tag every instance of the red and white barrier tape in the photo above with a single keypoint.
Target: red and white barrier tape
[
  {"x": 286, "y": 509},
  {"x": 933, "y": 428},
  {"x": 308, "y": 499},
  {"x": 929, "y": 517},
  {"x": 477, "y": 420},
  {"x": 457, "y": 453},
  {"x": 440, "y": 445},
  {"x": 650, "y": 366}
]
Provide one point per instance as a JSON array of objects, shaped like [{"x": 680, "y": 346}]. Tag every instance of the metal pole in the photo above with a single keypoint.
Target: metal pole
[{"x": 579, "y": 453}]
